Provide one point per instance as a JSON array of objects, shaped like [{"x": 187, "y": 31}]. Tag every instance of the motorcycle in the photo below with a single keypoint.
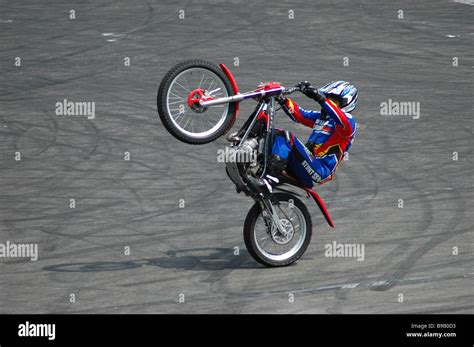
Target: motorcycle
[{"x": 198, "y": 102}]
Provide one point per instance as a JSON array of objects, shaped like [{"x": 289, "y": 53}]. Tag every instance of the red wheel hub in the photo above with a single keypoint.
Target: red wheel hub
[{"x": 195, "y": 97}]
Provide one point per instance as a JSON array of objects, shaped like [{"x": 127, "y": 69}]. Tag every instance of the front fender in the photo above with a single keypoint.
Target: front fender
[{"x": 233, "y": 82}]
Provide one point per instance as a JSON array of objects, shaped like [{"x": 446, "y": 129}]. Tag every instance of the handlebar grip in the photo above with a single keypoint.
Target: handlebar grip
[{"x": 290, "y": 90}]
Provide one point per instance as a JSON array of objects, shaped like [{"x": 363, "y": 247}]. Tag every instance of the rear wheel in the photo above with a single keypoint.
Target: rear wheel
[
  {"x": 178, "y": 102},
  {"x": 266, "y": 243}
]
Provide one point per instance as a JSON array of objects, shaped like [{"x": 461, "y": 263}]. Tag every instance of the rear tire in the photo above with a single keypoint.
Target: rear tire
[
  {"x": 222, "y": 126},
  {"x": 250, "y": 233}
]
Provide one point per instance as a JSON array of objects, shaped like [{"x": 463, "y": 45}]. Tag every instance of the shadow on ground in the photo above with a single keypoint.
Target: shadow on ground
[{"x": 216, "y": 259}]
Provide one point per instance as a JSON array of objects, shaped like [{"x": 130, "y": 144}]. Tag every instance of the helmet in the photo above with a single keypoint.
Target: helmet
[{"x": 342, "y": 91}]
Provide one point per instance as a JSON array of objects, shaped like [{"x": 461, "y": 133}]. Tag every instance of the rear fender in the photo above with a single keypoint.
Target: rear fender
[
  {"x": 288, "y": 179},
  {"x": 321, "y": 206}
]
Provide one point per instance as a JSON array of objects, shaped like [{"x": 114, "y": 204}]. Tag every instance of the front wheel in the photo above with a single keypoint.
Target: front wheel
[
  {"x": 264, "y": 241},
  {"x": 178, "y": 102}
]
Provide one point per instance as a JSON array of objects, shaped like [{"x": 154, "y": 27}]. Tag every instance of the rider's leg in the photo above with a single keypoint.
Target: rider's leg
[
  {"x": 308, "y": 169},
  {"x": 282, "y": 144},
  {"x": 277, "y": 161}
]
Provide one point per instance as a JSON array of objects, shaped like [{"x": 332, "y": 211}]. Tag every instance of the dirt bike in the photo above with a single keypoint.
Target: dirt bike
[{"x": 198, "y": 102}]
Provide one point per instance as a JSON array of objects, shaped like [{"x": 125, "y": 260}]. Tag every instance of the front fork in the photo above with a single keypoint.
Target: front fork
[
  {"x": 269, "y": 209},
  {"x": 268, "y": 107},
  {"x": 266, "y": 203},
  {"x": 269, "y": 134}
]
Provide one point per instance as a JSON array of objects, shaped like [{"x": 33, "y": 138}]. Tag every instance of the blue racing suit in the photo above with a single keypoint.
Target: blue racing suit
[{"x": 332, "y": 136}]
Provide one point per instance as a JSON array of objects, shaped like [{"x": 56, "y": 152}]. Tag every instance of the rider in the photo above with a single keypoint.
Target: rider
[{"x": 332, "y": 136}]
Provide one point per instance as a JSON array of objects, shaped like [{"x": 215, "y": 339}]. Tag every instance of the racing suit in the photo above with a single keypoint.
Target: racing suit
[{"x": 332, "y": 136}]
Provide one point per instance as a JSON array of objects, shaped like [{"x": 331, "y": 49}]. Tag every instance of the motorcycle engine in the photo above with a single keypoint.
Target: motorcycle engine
[{"x": 247, "y": 151}]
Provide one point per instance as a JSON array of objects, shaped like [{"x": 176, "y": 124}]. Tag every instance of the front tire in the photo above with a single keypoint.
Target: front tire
[
  {"x": 270, "y": 247},
  {"x": 192, "y": 125}
]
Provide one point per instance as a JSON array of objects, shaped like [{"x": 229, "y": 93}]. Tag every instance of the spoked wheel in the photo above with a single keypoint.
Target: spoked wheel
[
  {"x": 266, "y": 243},
  {"x": 178, "y": 102}
]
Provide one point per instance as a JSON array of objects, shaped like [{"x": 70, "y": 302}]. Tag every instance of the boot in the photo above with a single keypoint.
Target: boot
[{"x": 275, "y": 167}]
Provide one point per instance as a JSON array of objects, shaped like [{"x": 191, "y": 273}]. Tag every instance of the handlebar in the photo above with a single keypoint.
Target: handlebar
[
  {"x": 250, "y": 95},
  {"x": 291, "y": 90}
]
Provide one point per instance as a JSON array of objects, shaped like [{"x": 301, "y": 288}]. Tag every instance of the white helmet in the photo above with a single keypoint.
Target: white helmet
[{"x": 342, "y": 91}]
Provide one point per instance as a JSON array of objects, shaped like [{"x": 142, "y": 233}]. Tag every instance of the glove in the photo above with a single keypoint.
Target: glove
[
  {"x": 310, "y": 92},
  {"x": 303, "y": 85},
  {"x": 281, "y": 100}
]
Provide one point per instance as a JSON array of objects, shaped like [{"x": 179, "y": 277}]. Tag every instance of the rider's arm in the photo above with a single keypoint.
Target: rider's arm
[
  {"x": 332, "y": 110},
  {"x": 338, "y": 115},
  {"x": 298, "y": 114}
]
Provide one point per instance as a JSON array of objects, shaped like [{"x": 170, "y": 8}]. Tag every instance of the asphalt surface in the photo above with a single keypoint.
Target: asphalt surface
[{"x": 190, "y": 250}]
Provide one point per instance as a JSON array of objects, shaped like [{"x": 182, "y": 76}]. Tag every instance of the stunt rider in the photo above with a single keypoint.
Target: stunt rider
[{"x": 333, "y": 132}]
